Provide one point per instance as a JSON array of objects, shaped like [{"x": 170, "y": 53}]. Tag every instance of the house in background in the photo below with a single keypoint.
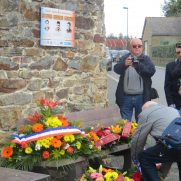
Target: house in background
[
  {"x": 116, "y": 44},
  {"x": 160, "y": 31}
]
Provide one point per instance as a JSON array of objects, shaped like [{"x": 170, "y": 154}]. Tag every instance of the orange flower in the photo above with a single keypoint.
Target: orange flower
[
  {"x": 59, "y": 137},
  {"x": 107, "y": 170},
  {"x": 63, "y": 120},
  {"x": 64, "y": 123},
  {"x": 56, "y": 143},
  {"x": 132, "y": 131},
  {"x": 24, "y": 145},
  {"x": 70, "y": 150},
  {"x": 23, "y": 129},
  {"x": 37, "y": 127},
  {"x": 45, "y": 155},
  {"x": 94, "y": 136},
  {"x": 7, "y": 152},
  {"x": 116, "y": 129}
]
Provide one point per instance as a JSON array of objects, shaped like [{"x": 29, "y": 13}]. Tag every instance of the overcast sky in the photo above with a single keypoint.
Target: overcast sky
[{"x": 116, "y": 16}]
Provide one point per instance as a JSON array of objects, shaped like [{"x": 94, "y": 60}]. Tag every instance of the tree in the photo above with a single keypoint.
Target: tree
[
  {"x": 171, "y": 8},
  {"x": 111, "y": 36},
  {"x": 120, "y": 36}
]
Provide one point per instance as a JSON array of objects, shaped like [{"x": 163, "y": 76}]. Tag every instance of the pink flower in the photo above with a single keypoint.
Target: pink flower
[
  {"x": 96, "y": 175},
  {"x": 107, "y": 132}
]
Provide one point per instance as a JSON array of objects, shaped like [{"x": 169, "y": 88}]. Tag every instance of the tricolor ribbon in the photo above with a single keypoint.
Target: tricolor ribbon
[{"x": 47, "y": 133}]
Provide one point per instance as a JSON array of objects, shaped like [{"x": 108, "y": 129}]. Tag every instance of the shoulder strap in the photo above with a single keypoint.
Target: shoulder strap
[{"x": 179, "y": 111}]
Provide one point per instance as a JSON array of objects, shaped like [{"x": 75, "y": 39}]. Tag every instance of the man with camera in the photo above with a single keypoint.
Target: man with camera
[
  {"x": 133, "y": 90},
  {"x": 173, "y": 80}
]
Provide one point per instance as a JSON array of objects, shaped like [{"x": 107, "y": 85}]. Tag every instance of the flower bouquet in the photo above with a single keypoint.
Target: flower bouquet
[
  {"x": 125, "y": 129},
  {"x": 103, "y": 174},
  {"x": 48, "y": 138},
  {"x": 102, "y": 137},
  {"x": 135, "y": 172}
]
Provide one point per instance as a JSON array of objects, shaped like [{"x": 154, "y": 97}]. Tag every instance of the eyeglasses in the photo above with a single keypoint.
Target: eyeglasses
[
  {"x": 135, "y": 46},
  {"x": 178, "y": 52}
]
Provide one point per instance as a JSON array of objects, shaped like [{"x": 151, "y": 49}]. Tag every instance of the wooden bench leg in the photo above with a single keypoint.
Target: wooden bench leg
[
  {"x": 127, "y": 160},
  {"x": 75, "y": 172}
]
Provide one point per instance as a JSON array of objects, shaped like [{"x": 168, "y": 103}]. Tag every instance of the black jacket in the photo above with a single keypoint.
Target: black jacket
[
  {"x": 146, "y": 70},
  {"x": 172, "y": 83}
]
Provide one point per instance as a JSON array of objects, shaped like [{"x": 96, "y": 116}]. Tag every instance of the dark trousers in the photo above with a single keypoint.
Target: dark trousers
[{"x": 148, "y": 160}]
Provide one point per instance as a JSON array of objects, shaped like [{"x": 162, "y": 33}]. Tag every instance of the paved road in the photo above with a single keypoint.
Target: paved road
[{"x": 157, "y": 83}]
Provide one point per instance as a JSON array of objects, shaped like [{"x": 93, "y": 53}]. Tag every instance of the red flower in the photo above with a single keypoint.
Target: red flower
[
  {"x": 70, "y": 150},
  {"x": 34, "y": 118},
  {"x": 60, "y": 117},
  {"x": 24, "y": 145},
  {"x": 45, "y": 155},
  {"x": 100, "y": 133},
  {"x": 51, "y": 104},
  {"x": 42, "y": 101},
  {"x": 23, "y": 129},
  {"x": 137, "y": 176},
  {"x": 59, "y": 137}
]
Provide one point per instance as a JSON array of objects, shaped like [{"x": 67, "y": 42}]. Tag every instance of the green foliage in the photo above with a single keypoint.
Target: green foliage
[
  {"x": 167, "y": 51},
  {"x": 171, "y": 8}
]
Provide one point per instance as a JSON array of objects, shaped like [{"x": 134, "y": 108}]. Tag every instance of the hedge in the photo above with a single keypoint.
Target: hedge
[{"x": 164, "y": 51}]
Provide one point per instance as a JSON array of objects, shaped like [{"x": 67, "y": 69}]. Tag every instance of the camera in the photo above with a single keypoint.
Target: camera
[{"x": 135, "y": 61}]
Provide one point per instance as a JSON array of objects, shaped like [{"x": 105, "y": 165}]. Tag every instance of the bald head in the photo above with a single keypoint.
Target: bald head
[
  {"x": 135, "y": 40},
  {"x": 147, "y": 104}
]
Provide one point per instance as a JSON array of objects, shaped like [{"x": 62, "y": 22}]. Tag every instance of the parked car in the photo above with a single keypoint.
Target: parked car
[
  {"x": 123, "y": 52},
  {"x": 114, "y": 54},
  {"x": 109, "y": 59}
]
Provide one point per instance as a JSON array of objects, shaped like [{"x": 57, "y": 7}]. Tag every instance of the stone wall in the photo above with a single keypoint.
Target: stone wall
[{"x": 75, "y": 76}]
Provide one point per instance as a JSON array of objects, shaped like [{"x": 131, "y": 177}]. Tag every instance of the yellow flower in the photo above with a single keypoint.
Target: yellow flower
[
  {"x": 10, "y": 159},
  {"x": 62, "y": 152},
  {"x": 20, "y": 149},
  {"x": 89, "y": 135},
  {"x": 12, "y": 145},
  {"x": 66, "y": 138},
  {"x": 72, "y": 138},
  {"x": 127, "y": 179},
  {"x": 39, "y": 142},
  {"x": 92, "y": 142},
  {"x": 78, "y": 145},
  {"x": 28, "y": 150},
  {"x": 81, "y": 136},
  {"x": 114, "y": 175},
  {"x": 54, "y": 122},
  {"x": 108, "y": 175},
  {"x": 99, "y": 149}
]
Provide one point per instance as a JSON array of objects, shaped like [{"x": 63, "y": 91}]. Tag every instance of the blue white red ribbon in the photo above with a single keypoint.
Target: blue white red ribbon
[{"x": 59, "y": 131}]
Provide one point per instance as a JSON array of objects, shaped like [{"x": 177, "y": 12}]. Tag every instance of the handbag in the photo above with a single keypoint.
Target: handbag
[{"x": 153, "y": 93}]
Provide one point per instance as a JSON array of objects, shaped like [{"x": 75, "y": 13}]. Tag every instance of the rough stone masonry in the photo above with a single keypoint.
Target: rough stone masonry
[{"x": 74, "y": 76}]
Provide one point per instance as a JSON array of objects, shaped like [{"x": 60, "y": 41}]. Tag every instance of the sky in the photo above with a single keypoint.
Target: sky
[{"x": 116, "y": 16}]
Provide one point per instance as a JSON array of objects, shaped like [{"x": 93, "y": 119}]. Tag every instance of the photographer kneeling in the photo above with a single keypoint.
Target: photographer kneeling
[{"x": 133, "y": 90}]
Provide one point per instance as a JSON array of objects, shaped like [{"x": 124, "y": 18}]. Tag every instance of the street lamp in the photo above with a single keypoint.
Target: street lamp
[{"x": 127, "y": 25}]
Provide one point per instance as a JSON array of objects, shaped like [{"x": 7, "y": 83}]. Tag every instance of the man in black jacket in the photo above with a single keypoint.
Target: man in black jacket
[
  {"x": 173, "y": 80},
  {"x": 134, "y": 85}
]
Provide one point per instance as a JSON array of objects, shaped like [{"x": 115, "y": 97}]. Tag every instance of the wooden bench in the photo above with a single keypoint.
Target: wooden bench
[{"x": 107, "y": 117}]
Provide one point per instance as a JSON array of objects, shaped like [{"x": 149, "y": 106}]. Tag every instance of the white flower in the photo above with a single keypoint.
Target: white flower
[
  {"x": 21, "y": 135},
  {"x": 47, "y": 124},
  {"x": 90, "y": 146},
  {"x": 66, "y": 146},
  {"x": 37, "y": 147}
]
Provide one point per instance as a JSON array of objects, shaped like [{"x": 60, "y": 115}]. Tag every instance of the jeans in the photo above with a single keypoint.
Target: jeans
[
  {"x": 129, "y": 103},
  {"x": 148, "y": 159}
]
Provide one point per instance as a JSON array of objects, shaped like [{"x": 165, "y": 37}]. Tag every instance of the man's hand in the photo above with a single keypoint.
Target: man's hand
[{"x": 129, "y": 62}]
